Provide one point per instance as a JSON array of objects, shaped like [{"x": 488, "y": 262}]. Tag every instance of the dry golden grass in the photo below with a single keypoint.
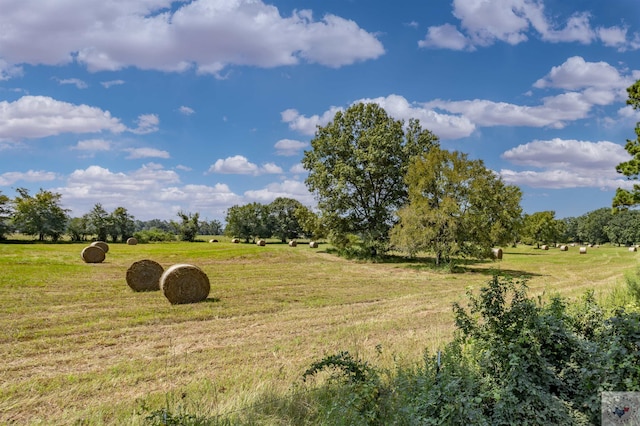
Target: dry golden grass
[{"x": 78, "y": 345}]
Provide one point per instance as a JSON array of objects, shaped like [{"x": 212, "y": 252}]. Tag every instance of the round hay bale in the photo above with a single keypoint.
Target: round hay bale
[
  {"x": 93, "y": 254},
  {"x": 144, "y": 275},
  {"x": 104, "y": 246},
  {"x": 213, "y": 241},
  {"x": 583, "y": 250},
  {"x": 313, "y": 244},
  {"x": 235, "y": 240},
  {"x": 564, "y": 248},
  {"x": 293, "y": 243},
  {"x": 496, "y": 253},
  {"x": 573, "y": 244},
  {"x": 184, "y": 283},
  {"x": 545, "y": 247},
  {"x": 633, "y": 248},
  {"x": 132, "y": 241},
  {"x": 261, "y": 243}
]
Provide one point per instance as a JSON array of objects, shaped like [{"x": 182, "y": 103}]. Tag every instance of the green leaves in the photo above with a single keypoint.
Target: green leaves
[{"x": 357, "y": 166}]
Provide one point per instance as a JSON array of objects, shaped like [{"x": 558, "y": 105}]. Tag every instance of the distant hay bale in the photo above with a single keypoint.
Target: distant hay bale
[
  {"x": 573, "y": 244},
  {"x": 293, "y": 243},
  {"x": 261, "y": 243},
  {"x": 132, "y": 241},
  {"x": 590, "y": 245},
  {"x": 313, "y": 244},
  {"x": 583, "y": 250},
  {"x": 496, "y": 253},
  {"x": 634, "y": 248},
  {"x": 235, "y": 240},
  {"x": 144, "y": 275},
  {"x": 213, "y": 241},
  {"x": 93, "y": 254},
  {"x": 564, "y": 248},
  {"x": 545, "y": 247},
  {"x": 104, "y": 246},
  {"x": 184, "y": 283}
]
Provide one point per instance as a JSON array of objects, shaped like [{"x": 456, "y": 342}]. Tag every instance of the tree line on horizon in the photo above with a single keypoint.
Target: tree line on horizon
[{"x": 380, "y": 184}]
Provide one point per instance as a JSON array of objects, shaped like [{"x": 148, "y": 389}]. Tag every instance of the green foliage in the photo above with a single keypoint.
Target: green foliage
[
  {"x": 98, "y": 222},
  {"x": 188, "y": 226},
  {"x": 593, "y": 226},
  {"x": 121, "y": 224},
  {"x": 542, "y": 227},
  {"x": 457, "y": 207},
  {"x": 632, "y": 280},
  {"x": 357, "y": 165},
  {"x": 359, "y": 400},
  {"x": 5, "y": 215},
  {"x": 78, "y": 229},
  {"x": 153, "y": 235},
  {"x": 40, "y": 215},
  {"x": 284, "y": 223},
  {"x": 625, "y": 199},
  {"x": 247, "y": 222}
]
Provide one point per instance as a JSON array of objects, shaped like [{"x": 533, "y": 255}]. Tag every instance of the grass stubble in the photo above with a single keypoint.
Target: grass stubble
[{"x": 78, "y": 346}]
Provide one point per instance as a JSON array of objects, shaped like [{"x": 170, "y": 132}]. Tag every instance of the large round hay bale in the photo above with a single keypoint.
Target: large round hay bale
[
  {"x": 213, "y": 241},
  {"x": 183, "y": 283},
  {"x": 633, "y": 248},
  {"x": 545, "y": 247},
  {"x": 104, "y": 246},
  {"x": 235, "y": 240},
  {"x": 564, "y": 248},
  {"x": 261, "y": 243},
  {"x": 496, "y": 253},
  {"x": 313, "y": 244},
  {"x": 293, "y": 243},
  {"x": 132, "y": 241},
  {"x": 144, "y": 275},
  {"x": 93, "y": 254},
  {"x": 583, "y": 250}
]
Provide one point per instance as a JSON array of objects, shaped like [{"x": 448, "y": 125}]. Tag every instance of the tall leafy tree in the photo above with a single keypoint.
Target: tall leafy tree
[
  {"x": 98, "y": 222},
  {"x": 284, "y": 221},
  {"x": 40, "y": 215},
  {"x": 78, "y": 229},
  {"x": 624, "y": 227},
  {"x": 5, "y": 214},
  {"x": 121, "y": 224},
  {"x": 310, "y": 223},
  {"x": 592, "y": 226},
  {"x": 188, "y": 226},
  {"x": 248, "y": 221},
  {"x": 542, "y": 228},
  {"x": 357, "y": 165},
  {"x": 625, "y": 199},
  {"x": 457, "y": 207}
]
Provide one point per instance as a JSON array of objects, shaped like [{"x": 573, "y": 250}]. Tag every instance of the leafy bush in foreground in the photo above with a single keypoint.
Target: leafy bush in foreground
[{"x": 513, "y": 361}]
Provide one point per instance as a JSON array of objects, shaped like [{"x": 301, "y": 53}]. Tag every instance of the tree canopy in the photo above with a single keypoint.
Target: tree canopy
[
  {"x": 624, "y": 199},
  {"x": 456, "y": 207},
  {"x": 40, "y": 215},
  {"x": 357, "y": 164}
]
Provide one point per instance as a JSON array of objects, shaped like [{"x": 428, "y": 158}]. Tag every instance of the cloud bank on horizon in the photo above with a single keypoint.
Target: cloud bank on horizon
[{"x": 160, "y": 105}]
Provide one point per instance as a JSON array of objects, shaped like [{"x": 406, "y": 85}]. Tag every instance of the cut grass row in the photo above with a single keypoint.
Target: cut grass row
[{"x": 78, "y": 345}]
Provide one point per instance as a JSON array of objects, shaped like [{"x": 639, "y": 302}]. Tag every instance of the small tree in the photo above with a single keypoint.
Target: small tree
[
  {"x": 40, "y": 215},
  {"x": 98, "y": 222},
  {"x": 248, "y": 221},
  {"x": 77, "y": 228},
  {"x": 456, "y": 207},
  {"x": 188, "y": 227},
  {"x": 122, "y": 224},
  {"x": 542, "y": 227},
  {"x": 5, "y": 215}
]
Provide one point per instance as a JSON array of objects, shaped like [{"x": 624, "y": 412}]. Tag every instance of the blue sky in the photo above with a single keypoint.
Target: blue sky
[{"x": 160, "y": 106}]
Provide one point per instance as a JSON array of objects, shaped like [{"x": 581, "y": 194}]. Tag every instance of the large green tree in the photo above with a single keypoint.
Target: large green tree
[
  {"x": 248, "y": 221},
  {"x": 542, "y": 228},
  {"x": 284, "y": 222},
  {"x": 357, "y": 164},
  {"x": 457, "y": 207},
  {"x": 40, "y": 215},
  {"x": 121, "y": 224},
  {"x": 592, "y": 226},
  {"x": 5, "y": 214},
  {"x": 625, "y": 199}
]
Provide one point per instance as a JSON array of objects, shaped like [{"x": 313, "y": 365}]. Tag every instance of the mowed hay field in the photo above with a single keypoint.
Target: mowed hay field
[{"x": 78, "y": 346}]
